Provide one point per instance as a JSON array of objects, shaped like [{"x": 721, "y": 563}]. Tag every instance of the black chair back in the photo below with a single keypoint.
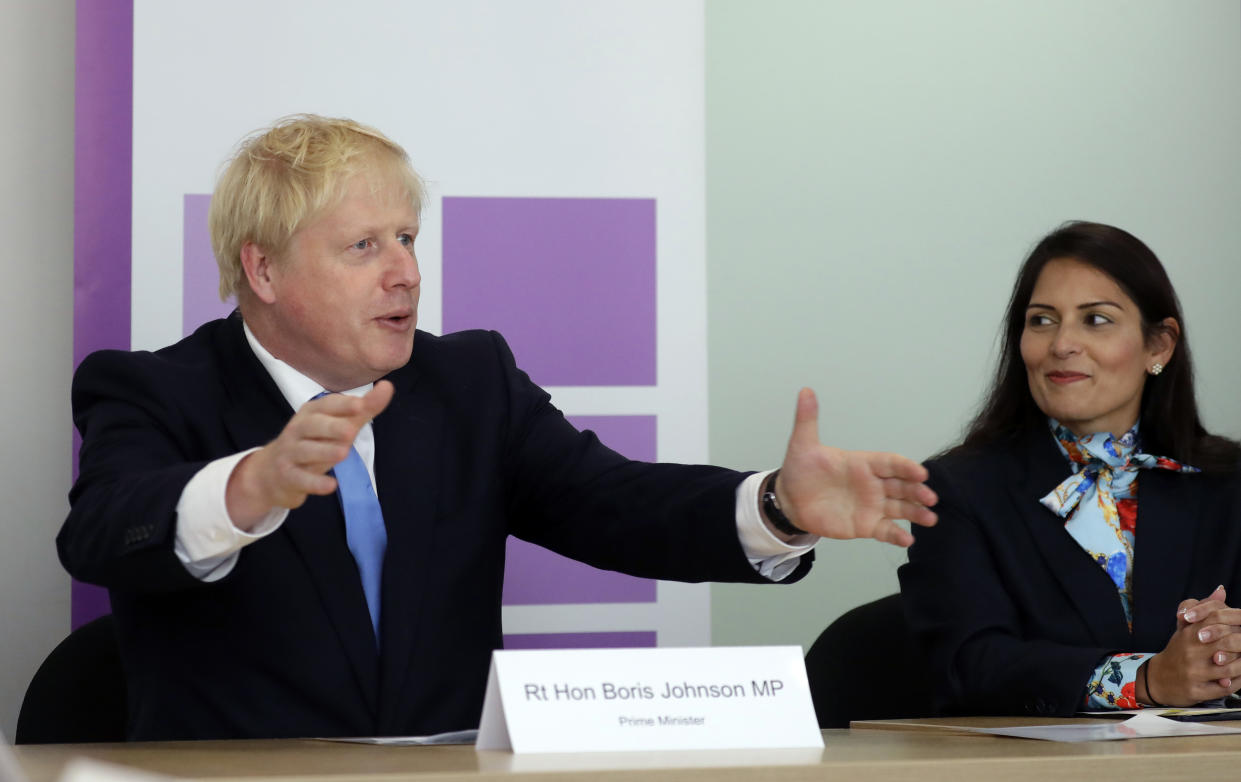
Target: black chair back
[
  {"x": 865, "y": 666},
  {"x": 78, "y": 693}
]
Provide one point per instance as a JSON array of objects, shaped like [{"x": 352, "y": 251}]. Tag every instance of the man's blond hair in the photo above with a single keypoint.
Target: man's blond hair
[{"x": 285, "y": 175}]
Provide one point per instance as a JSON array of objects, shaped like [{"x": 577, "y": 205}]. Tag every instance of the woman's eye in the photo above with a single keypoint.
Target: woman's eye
[
  {"x": 1038, "y": 320},
  {"x": 362, "y": 244},
  {"x": 406, "y": 240},
  {"x": 1095, "y": 319}
]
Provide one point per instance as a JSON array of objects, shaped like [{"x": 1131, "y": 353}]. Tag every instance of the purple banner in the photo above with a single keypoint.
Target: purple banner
[
  {"x": 102, "y": 205},
  {"x": 570, "y": 282}
]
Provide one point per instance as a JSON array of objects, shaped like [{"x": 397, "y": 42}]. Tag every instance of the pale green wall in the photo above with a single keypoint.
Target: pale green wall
[{"x": 875, "y": 173}]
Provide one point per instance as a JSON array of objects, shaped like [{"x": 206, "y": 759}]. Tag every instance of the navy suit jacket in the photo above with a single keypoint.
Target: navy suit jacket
[
  {"x": 468, "y": 452},
  {"x": 1013, "y": 615}
]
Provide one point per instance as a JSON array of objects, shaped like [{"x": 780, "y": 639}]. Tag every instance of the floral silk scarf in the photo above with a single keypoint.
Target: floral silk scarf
[{"x": 1099, "y": 501}]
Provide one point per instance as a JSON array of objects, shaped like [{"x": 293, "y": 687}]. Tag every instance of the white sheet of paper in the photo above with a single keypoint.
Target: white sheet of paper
[
  {"x": 1220, "y": 712},
  {"x": 1140, "y": 726},
  {"x": 452, "y": 737},
  {"x": 90, "y": 770},
  {"x": 78, "y": 769},
  {"x": 599, "y": 700}
]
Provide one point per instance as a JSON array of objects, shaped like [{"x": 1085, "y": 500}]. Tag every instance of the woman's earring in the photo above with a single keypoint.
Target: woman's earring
[{"x": 1156, "y": 368}]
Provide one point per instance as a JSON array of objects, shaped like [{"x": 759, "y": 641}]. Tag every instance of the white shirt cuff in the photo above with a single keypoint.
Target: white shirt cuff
[
  {"x": 771, "y": 557},
  {"x": 207, "y": 541}
]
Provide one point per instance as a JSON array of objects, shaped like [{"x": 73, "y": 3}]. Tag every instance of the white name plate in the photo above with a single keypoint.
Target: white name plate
[{"x": 599, "y": 700}]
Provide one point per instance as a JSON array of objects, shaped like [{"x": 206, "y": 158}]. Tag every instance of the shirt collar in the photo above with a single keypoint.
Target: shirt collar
[
  {"x": 296, "y": 388},
  {"x": 1102, "y": 446}
]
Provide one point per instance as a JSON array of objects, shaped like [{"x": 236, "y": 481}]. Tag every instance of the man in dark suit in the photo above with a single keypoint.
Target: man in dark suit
[{"x": 300, "y": 511}]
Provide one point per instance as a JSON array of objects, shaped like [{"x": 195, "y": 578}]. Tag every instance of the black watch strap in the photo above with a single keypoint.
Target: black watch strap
[{"x": 771, "y": 509}]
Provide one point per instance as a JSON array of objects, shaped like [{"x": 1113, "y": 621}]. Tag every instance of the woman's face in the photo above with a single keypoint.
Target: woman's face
[{"x": 1085, "y": 354}]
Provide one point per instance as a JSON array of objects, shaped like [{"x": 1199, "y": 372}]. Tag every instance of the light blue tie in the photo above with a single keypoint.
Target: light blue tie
[{"x": 364, "y": 527}]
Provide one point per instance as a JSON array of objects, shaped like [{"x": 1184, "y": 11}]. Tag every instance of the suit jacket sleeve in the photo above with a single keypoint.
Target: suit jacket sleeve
[
  {"x": 971, "y": 590},
  {"x": 570, "y": 493},
  {"x": 133, "y": 465}
]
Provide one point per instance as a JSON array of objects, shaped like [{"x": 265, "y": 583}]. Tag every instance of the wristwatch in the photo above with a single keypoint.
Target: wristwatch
[{"x": 771, "y": 509}]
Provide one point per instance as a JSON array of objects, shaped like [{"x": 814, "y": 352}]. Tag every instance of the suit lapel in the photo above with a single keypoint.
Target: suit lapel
[
  {"x": 317, "y": 531},
  {"x": 1168, "y": 519},
  {"x": 256, "y": 410},
  {"x": 408, "y": 437},
  {"x": 1088, "y": 587},
  {"x": 257, "y": 414}
]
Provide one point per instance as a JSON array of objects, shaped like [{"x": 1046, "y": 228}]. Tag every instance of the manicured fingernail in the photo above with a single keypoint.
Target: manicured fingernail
[
  {"x": 1219, "y": 658},
  {"x": 1204, "y": 636},
  {"x": 1182, "y": 610},
  {"x": 1190, "y": 616}
]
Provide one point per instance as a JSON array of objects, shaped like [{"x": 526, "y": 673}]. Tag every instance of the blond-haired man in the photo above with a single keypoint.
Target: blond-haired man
[{"x": 259, "y": 592}]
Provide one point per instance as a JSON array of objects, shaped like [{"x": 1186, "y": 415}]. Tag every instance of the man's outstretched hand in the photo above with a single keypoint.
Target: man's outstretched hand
[{"x": 849, "y": 494}]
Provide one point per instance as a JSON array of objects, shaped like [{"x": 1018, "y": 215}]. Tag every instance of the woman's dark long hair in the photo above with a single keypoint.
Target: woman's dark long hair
[{"x": 1169, "y": 419}]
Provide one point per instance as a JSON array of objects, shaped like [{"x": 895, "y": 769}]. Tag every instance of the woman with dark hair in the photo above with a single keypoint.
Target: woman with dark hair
[{"x": 1033, "y": 595}]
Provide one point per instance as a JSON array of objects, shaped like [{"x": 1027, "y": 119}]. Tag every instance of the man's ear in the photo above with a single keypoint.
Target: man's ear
[{"x": 258, "y": 266}]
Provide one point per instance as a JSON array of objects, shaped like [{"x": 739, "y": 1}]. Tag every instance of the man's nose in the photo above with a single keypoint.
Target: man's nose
[{"x": 402, "y": 267}]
